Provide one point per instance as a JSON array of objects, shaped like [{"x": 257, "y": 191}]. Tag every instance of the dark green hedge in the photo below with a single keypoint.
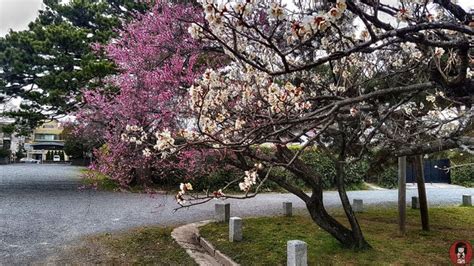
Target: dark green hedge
[
  {"x": 5, "y": 153},
  {"x": 462, "y": 172},
  {"x": 320, "y": 163}
]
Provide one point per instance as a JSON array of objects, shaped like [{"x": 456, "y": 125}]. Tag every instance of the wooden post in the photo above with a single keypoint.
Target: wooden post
[
  {"x": 420, "y": 181},
  {"x": 402, "y": 199}
]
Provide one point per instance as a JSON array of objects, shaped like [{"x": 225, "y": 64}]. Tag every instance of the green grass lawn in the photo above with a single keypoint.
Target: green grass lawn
[
  {"x": 264, "y": 241},
  {"x": 139, "y": 246}
]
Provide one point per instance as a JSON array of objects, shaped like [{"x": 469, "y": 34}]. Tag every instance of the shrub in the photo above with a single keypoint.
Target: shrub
[
  {"x": 462, "y": 172},
  {"x": 318, "y": 161},
  {"x": 388, "y": 178},
  {"x": 322, "y": 165},
  {"x": 463, "y": 176}
]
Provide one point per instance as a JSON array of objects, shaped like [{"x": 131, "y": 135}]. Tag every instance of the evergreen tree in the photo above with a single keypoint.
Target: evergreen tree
[{"x": 49, "y": 64}]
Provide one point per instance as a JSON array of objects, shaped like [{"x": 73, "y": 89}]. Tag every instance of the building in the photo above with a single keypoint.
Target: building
[{"x": 46, "y": 139}]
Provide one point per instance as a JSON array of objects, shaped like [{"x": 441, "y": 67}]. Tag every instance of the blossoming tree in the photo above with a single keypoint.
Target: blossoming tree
[
  {"x": 347, "y": 77},
  {"x": 157, "y": 60}
]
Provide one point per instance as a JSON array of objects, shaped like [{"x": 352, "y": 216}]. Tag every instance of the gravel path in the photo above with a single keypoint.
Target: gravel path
[{"x": 42, "y": 208}]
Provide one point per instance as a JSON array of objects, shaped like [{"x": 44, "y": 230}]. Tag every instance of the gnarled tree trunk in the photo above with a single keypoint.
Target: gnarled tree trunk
[
  {"x": 361, "y": 243},
  {"x": 349, "y": 238}
]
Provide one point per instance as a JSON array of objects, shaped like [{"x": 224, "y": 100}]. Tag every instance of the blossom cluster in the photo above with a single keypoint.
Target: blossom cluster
[
  {"x": 163, "y": 141},
  {"x": 250, "y": 178},
  {"x": 444, "y": 122},
  {"x": 252, "y": 19},
  {"x": 223, "y": 99},
  {"x": 183, "y": 188}
]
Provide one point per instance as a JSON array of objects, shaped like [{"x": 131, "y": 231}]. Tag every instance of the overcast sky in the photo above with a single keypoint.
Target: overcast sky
[{"x": 16, "y": 14}]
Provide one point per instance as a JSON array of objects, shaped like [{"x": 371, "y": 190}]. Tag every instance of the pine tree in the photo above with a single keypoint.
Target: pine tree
[{"x": 56, "y": 55}]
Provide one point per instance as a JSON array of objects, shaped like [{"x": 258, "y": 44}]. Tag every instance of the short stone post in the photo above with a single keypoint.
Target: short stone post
[
  {"x": 287, "y": 208},
  {"x": 297, "y": 253},
  {"x": 222, "y": 212},
  {"x": 235, "y": 229},
  {"x": 466, "y": 200},
  {"x": 415, "y": 203},
  {"x": 357, "y": 205}
]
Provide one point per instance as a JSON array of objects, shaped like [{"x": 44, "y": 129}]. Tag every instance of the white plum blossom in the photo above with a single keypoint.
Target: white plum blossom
[
  {"x": 335, "y": 88},
  {"x": 431, "y": 98},
  {"x": 244, "y": 8},
  {"x": 183, "y": 189},
  {"x": 335, "y": 14},
  {"x": 250, "y": 179},
  {"x": 341, "y": 5},
  {"x": 195, "y": 31},
  {"x": 258, "y": 166},
  {"x": 239, "y": 123},
  {"x": 164, "y": 141},
  {"x": 438, "y": 52},
  {"x": 190, "y": 135},
  {"x": 409, "y": 107},
  {"x": 133, "y": 128},
  {"x": 276, "y": 11},
  {"x": 147, "y": 152},
  {"x": 403, "y": 15}
]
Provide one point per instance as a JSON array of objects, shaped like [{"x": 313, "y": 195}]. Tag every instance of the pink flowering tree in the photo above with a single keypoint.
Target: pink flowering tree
[
  {"x": 346, "y": 77},
  {"x": 157, "y": 59}
]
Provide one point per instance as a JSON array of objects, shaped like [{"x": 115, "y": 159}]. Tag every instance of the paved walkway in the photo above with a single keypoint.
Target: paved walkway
[{"x": 41, "y": 208}]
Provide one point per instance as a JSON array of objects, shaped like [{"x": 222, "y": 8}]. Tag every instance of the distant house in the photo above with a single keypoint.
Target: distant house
[{"x": 46, "y": 140}]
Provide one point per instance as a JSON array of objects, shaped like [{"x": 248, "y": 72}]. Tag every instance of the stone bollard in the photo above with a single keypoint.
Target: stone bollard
[
  {"x": 287, "y": 208},
  {"x": 297, "y": 253},
  {"x": 466, "y": 200},
  {"x": 222, "y": 212},
  {"x": 235, "y": 229},
  {"x": 357, "y": 205},
  {"x": 415, "y": 203}
]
